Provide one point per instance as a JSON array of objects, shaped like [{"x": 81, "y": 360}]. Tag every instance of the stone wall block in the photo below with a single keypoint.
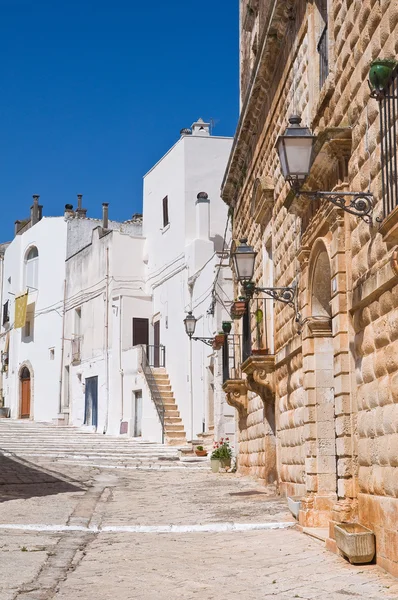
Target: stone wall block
[
  {"x": 380, "y": 368},
  {"x": 311, "y": 483},
  {"x": 345, "y": 488},
  {"x": 326, "y": 465},
  {"x": 344, "y": 446},
  {"x": 364, "y": 478},
  {"x": 311, "y": 466},
  {"x": 325, "y": 430},
  {"x": 310, "y": 431},
  {"x": 326, "y": 447},
  {"x": 342, "y": 404},
  {"x": 382, "y": 445},
  {"x": 364, "y": 452},
  {"x": 343, "y": 425},
  {"x": 326, "y": 482},
  {"x": 367, "y": 369},
  {"x": 325, "y": 412},
  {"x": 344, "y": 467},
  {"x": 393, "y": 450}
]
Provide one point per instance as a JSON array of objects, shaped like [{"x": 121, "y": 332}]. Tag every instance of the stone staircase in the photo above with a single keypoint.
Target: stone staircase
[{"x": 173, "y": 426}]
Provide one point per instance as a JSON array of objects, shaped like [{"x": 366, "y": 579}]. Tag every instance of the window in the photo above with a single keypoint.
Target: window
[
  {"x": 323, "y": 42},
  {"x": 140, "y": 332},
  {"x": 27, "y": 331},
  {"x": 32, "y": 269},
  {"x": 78, "y": 321},
  {"x": 6, "y": 313},
  {"x": 165, "y": 211}
]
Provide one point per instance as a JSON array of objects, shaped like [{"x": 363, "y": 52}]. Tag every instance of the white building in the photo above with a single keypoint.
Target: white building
[
  {"x": 104, "y": 344},
  {"x": 35, "y": 262},
  {"x": 184, "y": 233},
  {"x": 107, "y": 315}
]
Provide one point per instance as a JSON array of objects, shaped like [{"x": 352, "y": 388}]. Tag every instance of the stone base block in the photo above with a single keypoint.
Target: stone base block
[{"x": 316, "y": 510}]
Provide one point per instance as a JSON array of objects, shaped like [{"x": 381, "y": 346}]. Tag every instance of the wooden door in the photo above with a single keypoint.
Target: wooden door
[
  {"x": 25, "y": 399},
  {"x": 156, "y": 353}
]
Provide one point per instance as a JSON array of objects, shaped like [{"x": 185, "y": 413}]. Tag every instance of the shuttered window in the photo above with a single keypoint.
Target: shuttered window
[{"x": 140, "y": 332}]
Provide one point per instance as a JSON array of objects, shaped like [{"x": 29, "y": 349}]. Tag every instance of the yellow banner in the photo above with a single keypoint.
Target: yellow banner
[{"x": 21, "y": 303}]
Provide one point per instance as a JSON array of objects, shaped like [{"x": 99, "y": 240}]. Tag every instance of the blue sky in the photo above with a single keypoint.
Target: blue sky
[{"x": 94, "y": 92}]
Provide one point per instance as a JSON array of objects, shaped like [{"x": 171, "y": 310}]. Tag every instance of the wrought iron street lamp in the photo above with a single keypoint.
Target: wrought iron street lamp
[
  {"x": 243, "y": 259},
  {"x": 295, "y": 149},
  {"x": 190, "y": 326}
]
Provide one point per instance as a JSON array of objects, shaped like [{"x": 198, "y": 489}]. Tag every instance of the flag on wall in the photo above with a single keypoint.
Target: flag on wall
[{"x": 21, "y": 304}]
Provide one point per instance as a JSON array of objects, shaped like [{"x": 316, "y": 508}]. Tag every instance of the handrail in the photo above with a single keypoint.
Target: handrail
[{"x": 153, "y": 387}]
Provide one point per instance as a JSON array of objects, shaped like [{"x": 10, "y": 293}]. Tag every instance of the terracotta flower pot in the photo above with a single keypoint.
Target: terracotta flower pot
[
  {"x": 238, "y": 309},
  {"x": 201, "y": 452}
]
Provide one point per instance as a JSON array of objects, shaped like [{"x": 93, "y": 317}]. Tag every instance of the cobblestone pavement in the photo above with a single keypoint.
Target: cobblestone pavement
[{"x": 90, "y": 537}]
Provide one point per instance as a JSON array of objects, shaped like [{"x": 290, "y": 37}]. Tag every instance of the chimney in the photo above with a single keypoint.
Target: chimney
[
  {"x": 105, "y": 221},
  {"x": 69, "y": 212},
  {"x": 81, "y": 212},
  {"x": 17, "y": 227},
  {"x": 202, "y": 216},
  {"x": 35, "y": 210}
]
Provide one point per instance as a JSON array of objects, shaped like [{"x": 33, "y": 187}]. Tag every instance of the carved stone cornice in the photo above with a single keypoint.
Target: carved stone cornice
[
  {"x": 303, "y": 256},
  {"x": 236, "y": 394},
  {"x": 263, "y": 199},
  {"x": 259, "y": 372},
  {"x": 319, "y": 327}
]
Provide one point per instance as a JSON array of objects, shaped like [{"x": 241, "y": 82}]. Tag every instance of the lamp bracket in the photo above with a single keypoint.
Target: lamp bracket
[
  {"x": 207, "y": 341},
  {"x": 287, "y": 295},
  {"x": 360, "y": 204}
]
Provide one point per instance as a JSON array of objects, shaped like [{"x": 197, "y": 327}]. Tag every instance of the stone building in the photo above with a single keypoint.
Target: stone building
[{"x": 318, "y": 408}]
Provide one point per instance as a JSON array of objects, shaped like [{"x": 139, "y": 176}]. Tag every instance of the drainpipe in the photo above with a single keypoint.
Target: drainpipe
[
  {"x": 120, "y": 356},
  {"x": 191, "y": 384},
  {"x": 62, "y": 353}
]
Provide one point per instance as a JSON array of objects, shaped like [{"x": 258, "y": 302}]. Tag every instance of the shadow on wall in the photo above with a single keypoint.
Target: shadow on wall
[{"x": 21, "y": 480}]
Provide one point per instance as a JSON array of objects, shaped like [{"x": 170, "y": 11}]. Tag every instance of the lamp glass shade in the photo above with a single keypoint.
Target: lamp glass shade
[
  {"x": 244, "y": 258},
  {"x": 190, "y": 324},
  {"x": 295, "y": 150}
]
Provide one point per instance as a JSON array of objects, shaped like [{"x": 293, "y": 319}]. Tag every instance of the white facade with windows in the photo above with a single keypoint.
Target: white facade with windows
[
  {"x": 183, "y": 252},
  {"x": 34, "y": 262}
]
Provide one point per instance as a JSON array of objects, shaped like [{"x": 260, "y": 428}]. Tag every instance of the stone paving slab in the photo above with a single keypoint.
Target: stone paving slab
[{"x": 271, "y": 564}]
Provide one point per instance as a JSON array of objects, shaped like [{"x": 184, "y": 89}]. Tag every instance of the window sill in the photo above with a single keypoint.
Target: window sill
[
  {"x": 389, "y": 228},
  {"x": 166, "y": 228}
]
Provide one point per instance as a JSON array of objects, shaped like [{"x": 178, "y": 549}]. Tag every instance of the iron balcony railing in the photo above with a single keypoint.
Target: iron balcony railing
[
  {"x": 156, "y": 355},
  {"x": 388, "y": 100},
  {"x": 152, "y": 385},
  {"x": 232, "y": 357},
  {"x": 323, "y": 57}
]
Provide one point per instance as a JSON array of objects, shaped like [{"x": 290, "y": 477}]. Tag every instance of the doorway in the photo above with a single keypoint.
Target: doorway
[
  {"x": 91, "y": 402},
  {"x": 156, "y": 340},
  {"x": 137, "y": 414},
  {"x": 25, "y": 393}
]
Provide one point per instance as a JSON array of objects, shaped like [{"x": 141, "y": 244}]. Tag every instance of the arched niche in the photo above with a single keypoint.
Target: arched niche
[{"x": 321, "y": 284}]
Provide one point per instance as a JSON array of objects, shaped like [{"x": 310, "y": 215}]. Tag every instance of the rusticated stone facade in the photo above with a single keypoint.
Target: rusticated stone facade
[{"x": 325, "y": 418}]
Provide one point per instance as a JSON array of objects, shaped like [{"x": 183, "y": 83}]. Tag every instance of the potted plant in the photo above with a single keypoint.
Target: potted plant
[
  {"x": 225, "y": 453},
  {"x": 238, "y": 308},
  {"x": 215, "y": 462},
  {"x": 218, "y": 341},
  {"x": 200, "y": 451},
  {"x": 380, "y": 73}
]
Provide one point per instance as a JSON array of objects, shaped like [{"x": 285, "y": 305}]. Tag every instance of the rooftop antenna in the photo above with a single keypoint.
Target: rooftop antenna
[{"x": 213, "y": 123}]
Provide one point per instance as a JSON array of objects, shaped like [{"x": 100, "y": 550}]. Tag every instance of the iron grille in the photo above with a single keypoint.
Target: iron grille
[
  {"x": 323, "y": 57},
  {"x": 156, "y": 355},
  {"x": 388, "y": 100}
]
